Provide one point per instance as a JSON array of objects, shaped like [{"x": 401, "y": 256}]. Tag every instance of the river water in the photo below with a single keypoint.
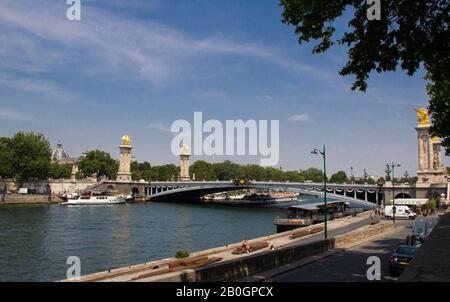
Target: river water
[{"x": 35, "y": 240}]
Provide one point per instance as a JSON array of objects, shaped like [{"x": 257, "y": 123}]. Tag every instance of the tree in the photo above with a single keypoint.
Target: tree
[
  {"x": 6, "y": 157},
  {"x": 202, "y": 170},
  {"x": 226, "y": 170},
  {"x": 30, "y": 156},
  {"x": 313, "y": 174},
  {"x": 255, "y": 172},
  {"x": 274, "y": 174},
  {"x": 58, "y": 171},
  {"x": 339, "y": 177},
  {"x": 166, "y": 172},
  {"x": 294, "y": 176},
  {"x": 439, "y": 95},
  {"x": 371, "y": 181},
  {"x": 99, "y": 162},
  {"x": 410, "y": 33}
]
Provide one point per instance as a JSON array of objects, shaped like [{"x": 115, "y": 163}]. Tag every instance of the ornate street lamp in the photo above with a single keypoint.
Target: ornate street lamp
[
  {"x": 352, "y": 177},
  {"x": 391, "y": 168},
  {"x": 406, "y": 175},
  {"x": 380, "y": 184},
  {"x": 323, "y": 153}
]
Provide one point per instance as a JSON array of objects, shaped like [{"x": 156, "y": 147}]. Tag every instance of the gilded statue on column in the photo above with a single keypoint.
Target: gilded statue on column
[
  {"x": 126, "y": 140},
  {"x": 422, "y": 116}
]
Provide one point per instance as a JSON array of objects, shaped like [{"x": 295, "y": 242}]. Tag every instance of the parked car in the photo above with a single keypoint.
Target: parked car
[{"x": 400, "y": 259}]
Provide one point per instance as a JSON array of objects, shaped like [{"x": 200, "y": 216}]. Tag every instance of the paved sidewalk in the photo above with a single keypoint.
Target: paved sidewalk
[{"x": 341, "y": 265}]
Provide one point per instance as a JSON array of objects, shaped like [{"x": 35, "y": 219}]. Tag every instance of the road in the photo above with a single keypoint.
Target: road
[{"x": 350, "y": 265}]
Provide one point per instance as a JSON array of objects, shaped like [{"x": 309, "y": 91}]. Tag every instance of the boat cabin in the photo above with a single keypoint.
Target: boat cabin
[{"x": 310, "y": 213}]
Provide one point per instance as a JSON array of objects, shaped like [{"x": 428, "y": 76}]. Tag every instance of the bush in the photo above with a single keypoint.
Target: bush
[{"x": 180, "y": 254}]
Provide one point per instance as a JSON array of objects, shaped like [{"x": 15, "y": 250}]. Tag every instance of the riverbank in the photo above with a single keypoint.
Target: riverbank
[
  {"x": 227, "y": 265},
  {"x": 24, "y": 199}
]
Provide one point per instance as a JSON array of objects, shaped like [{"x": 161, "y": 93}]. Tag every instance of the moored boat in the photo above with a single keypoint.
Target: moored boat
[{"x": 95, "y": 198}]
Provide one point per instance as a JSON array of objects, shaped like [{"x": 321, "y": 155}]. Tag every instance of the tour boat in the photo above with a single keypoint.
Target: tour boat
[{"x": 95, "y": 199}]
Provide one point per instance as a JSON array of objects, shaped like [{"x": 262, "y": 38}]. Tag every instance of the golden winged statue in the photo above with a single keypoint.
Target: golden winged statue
[
  {"x": 126, "y": 140},
  {"x": 422, "y": 116},
  {"x": 185, "y": 150}
]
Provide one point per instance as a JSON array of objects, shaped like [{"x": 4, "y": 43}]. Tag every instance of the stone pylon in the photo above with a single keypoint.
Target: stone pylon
[
  {"x": 74, "y": 172},
  {"x": 124, "y": 173},
  {"x": 431, "y": 169},
  {"x": 184, "y": 164}
]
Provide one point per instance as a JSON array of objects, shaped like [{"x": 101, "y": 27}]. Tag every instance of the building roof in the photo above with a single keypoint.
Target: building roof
[
  {"x": 60, "y": 155},
  {"x": 317, "y": 205}
]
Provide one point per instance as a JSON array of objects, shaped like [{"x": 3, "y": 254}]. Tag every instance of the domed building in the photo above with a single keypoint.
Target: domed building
[{"x": 60, "y": 156}]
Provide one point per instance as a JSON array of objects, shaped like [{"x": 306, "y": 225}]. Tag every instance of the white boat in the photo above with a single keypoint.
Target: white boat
[{"x": 93, "y": 199}]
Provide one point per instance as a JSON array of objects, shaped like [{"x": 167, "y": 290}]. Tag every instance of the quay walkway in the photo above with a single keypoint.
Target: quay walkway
[
  {"x": 431, "y": 262},
  {"x": 220, "y": 264}
]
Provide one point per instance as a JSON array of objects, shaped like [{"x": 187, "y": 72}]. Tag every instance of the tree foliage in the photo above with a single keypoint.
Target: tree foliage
[
  {"x": 202, "y": 170},
  {"x": 6, "y": 156},
  {"x": 313, "y": 174},
  {"x": 339, "y": 177},
  {"x": 409, "y": 34},
  {"x": 99, "y": 162},
  {"x": 30, "y": 156},
  {"x": 58, "y": 171}
]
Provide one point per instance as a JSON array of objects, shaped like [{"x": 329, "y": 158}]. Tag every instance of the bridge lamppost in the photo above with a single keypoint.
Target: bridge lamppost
[
  {"x": 391, "y": 168},
  {"x": 352, "y": 177},
  {"x": 324, "y": 155},
  {"x": 406, "y": 175}
]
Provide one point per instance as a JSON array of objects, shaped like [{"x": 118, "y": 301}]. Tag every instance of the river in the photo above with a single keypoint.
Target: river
[{"x": 35, "y": 240}]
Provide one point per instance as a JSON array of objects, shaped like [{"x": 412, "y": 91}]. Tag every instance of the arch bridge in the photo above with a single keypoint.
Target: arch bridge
[{"x": 192, "y": 191}]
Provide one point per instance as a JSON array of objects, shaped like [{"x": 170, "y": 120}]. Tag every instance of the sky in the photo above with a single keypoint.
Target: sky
[{"x": 134, "y": 67}]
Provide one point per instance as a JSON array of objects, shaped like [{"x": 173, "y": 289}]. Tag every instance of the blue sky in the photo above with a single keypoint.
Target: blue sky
[{"x": 136, "y": 66}]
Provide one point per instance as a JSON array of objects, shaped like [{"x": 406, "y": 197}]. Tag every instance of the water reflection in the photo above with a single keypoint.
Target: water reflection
[{"x": 35, "y": 241}]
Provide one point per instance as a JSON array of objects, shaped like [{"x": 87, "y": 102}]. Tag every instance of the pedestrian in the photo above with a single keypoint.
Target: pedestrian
[{"x": 246, "y": 246}]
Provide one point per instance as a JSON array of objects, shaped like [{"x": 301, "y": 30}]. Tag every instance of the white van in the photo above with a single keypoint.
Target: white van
[{"x": 401, "y": 212}]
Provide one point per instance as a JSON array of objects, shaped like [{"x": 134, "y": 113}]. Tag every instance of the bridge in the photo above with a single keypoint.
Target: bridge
[{"x": 192, "y": 191}]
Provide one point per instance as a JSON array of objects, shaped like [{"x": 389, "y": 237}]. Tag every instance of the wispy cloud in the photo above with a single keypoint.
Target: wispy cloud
[
  {"x": 13, "y": 115},
  {"x": 113, "y": 44},
  {"x": 41, "y": 88},
  {"x": 300, "y": 118},
  {"x": 159, "y": 126}
]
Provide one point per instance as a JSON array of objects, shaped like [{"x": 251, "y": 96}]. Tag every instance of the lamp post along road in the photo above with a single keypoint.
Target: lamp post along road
[
  {"x": 392, "y": 167},
  {"x": 324, "y": 155}
]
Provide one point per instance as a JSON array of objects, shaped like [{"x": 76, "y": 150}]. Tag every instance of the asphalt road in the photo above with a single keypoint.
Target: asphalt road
[
  {"x": 350, "y": 265},
  {"x": 338, "y": 231}
]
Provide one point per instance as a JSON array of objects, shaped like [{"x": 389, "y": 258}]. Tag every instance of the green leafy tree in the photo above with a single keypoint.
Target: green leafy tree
[
  {"x": 202, "y": 170},
  {"x": 339, "y": 177},
  {"x": 294, "y": 176},
  {"x": 313, "y": 174},
  {"x": 6, "y": 157},
  {"x": 410, "y": 33},
  {"x": 58, "y": 171},
  {"x": 371, "y": 181},
  {"x": 99, "y": 162},
  {"x": 439, "y": 95},
  {"x": 30, "y": 156},
  {"x": 255, "y": 172},
  {"x": 226, "y": 170},
  {"x": 162, "y": 173},
  {"x": 275, "y": 174}
]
